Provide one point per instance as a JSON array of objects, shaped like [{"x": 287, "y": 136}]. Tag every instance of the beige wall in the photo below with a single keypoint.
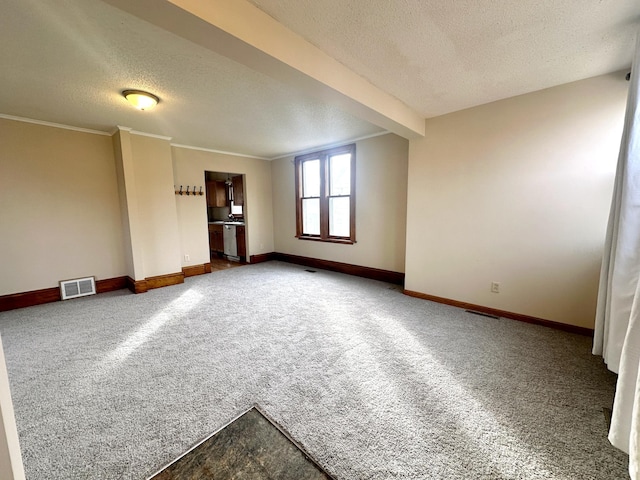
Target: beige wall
[
  {"x": 128, "y": 204},
  {"x": 59, "y": 210},
  {"x": 381, "y": 199},
  {"x": 157, "y": 214},
  {"x": 518, "y": 192},
  {"x": 77, "y": 204},
  {"x": 189, "y": 166}
]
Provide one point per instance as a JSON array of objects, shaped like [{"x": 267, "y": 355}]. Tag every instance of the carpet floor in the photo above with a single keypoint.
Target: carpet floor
[{"x": 372, "y": 383}]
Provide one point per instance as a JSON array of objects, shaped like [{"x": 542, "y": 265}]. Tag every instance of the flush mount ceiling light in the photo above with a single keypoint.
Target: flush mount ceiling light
[{"x": 141, "y": 100}]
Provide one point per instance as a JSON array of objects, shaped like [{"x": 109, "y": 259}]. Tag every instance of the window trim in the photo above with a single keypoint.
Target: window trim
[{"x": 323, "y": 156}]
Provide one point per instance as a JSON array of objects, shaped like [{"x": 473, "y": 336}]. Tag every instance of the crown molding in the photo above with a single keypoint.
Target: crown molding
[
  {"x": 211, "y": 150},
  {"x": 54, "y": 125},
  {"x": 120, "y": 128},
  {"x": 152, "y": 135},
  {"x": 190, "y": 147}
]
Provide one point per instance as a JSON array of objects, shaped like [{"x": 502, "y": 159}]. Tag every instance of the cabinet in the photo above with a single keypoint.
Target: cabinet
[
  {"x": 238, "y": 190},
  {"x": 216, "y": 193},
  {"x": 240, "y": 241},
  {"x": 216, "y": 242}
]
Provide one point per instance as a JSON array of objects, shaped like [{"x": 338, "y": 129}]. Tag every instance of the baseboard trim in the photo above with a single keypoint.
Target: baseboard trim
[
  {"x": 262, "y": 257},
  {"x": 111, "y": 284},
  {"x": 137, "y": 286},
  {"x": 193, "y": 270},
  {"x": 588, "y": 332},
  {"x": 49, "y": 295},
  {"x": 388, "y": 276},
  {"x": 28, "y": 299},
  {"x": 160, "y": 281}
]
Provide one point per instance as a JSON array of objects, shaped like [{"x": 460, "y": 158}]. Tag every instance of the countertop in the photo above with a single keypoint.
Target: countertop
[{"x": 227, "y": 222}]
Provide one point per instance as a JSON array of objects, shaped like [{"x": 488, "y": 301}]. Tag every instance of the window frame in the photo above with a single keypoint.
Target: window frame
[
  {"x": 324, "y": 156},
  {"x": 231, "y": 195}
]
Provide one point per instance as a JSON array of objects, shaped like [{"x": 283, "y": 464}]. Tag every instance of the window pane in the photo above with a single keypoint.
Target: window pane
[
  {"x": 339, "y": 222},
  {"x": 311, "y": 216},
  {"x": 236, "y": 209},
  {"x": 340, "y": 174},
  {"x": 311, "y": 178}
]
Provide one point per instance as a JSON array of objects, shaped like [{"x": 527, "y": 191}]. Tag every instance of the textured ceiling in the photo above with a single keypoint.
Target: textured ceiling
[
  {"x": 442, "y": 56},
  {"x": 66, "y": 61}
]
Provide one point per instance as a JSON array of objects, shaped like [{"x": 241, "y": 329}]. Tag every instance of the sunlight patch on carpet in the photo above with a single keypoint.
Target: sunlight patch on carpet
[
  {"x": 484, "y": 433},
  {"x": 178, "y": 307}
]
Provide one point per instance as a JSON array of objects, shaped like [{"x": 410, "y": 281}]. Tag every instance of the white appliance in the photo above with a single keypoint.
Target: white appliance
[{"x": 229, "y": 239}]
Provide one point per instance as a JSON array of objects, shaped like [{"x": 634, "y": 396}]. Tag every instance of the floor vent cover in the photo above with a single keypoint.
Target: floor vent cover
[{"x": 80, "y": 287}]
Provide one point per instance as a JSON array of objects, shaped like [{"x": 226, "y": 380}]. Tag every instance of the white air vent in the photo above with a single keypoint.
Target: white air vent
[{"x": 79, "y": 287}]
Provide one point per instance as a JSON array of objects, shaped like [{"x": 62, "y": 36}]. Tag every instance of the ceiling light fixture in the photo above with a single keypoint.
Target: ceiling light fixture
[{"x": 141, "y": 100}]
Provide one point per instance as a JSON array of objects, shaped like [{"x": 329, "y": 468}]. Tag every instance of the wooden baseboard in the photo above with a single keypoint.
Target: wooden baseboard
[
  {"x": 48, "y": 295},
  {"x": 357, "y": 270},
  {"x": 27, "y": 299},
  {"x": 262, "y": 257},
  {"x": 160, "y": 281},
  {"x": 503, "y": 313},
  {"x": 137, "y": 286},
  {"x": 111, "y": 284},
  {"x": 193, "y": 270}
]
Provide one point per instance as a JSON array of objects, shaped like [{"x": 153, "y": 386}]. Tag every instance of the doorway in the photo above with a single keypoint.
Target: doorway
[{"x": 226, "y": 217}]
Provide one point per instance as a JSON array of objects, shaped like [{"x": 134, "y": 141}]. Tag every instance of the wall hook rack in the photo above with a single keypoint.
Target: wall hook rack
[{"x": 189, "y": 191}]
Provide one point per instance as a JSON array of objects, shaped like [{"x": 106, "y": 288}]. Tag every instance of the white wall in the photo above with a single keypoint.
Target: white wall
[
  {"x": 59, "y": 209},
  {"x": 517, "y": 191},
  {"x": 189, "y": 166},
  {"x": 381, "y": 200},
  {"x": 11, "y": 467}
]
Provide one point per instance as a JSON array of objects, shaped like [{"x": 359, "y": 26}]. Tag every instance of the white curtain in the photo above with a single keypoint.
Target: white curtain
[{"x": 617, "y": 332}]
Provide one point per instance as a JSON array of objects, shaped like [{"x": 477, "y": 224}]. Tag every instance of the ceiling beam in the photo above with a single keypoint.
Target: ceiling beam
[{"x": 242, "y": 32}]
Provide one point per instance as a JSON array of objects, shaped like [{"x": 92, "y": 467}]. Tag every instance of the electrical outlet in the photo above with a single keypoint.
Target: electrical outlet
[
  {"x": 495, "y": 287},
  {"x": 186, "y": 257}
]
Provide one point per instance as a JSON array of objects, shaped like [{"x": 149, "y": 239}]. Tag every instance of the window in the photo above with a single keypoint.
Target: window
[
  {"x": 325, "y": 195},
  {"x": 236, "y": 194},
  {"x": 236, "y": 210}
]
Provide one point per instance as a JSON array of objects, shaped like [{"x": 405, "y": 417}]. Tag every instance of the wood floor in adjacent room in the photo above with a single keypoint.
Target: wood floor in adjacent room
[{"x": 221, "y": 263}]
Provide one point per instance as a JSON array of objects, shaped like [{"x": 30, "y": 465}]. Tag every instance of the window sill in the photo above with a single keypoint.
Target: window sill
[{"x": 345, "y": 241}]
